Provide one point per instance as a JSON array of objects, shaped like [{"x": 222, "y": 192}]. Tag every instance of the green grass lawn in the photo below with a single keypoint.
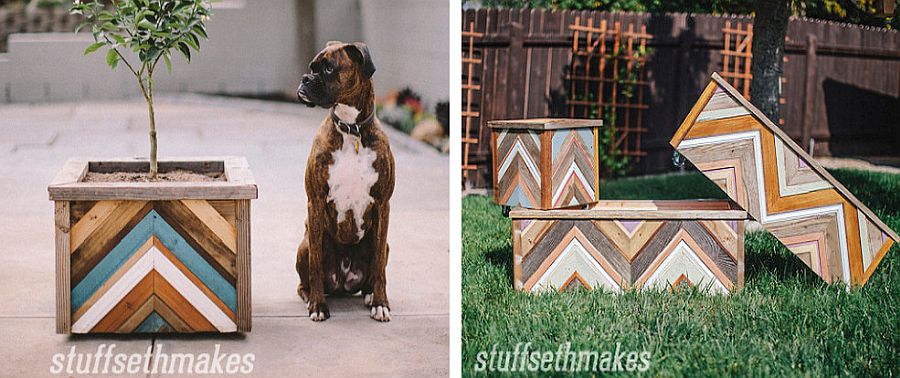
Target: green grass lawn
[{"x": 785, "y": 321}]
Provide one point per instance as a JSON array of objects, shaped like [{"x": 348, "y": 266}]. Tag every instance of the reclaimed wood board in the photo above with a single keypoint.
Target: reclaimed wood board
[
  {"x": 152, "y": 265},
  {"x": 137, "y": 256},
  {"x": 782, "y": 187},
  {"x": 545, "y": 163},
  {"x": 555, "y": 251}
]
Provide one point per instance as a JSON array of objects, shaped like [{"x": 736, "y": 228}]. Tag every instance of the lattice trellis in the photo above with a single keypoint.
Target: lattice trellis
[
  {"x": 736, "y": 56},
  {"x": 608, "y": 74},
  {"x": 471, "y": 61}
]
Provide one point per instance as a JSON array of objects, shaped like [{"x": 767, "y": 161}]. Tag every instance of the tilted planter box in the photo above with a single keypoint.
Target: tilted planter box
[
  {"x": 545, "y": 163},
  {"x": 619, "y": 245},
  {"x": 153, "y": 256},
  {"x": 782, "y": 187}
]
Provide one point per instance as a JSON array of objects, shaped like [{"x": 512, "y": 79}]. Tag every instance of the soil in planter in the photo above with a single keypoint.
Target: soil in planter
[{"x": 173, "y": 176}]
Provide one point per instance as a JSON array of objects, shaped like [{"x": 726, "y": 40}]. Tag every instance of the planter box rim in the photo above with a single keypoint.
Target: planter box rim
[
  {"x": 643, "y": 209},
  {"x": 238, "y": 184},
  {"x": 545, "y": 123}
]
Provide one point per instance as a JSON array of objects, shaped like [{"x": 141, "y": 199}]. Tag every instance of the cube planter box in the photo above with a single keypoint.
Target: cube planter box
[
  {"x": 618, "y": 245},
  {"x": 153, "y": 256},
  {"x": 545, "y": 163},
  {"x": 782, "y": 187}
]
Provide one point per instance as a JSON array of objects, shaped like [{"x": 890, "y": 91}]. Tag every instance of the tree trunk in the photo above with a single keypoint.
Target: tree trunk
[{"x": 769, "y": 30}]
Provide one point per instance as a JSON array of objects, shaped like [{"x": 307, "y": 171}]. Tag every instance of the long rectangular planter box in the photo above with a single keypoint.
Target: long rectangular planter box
[
  {"x": 782, "y": 187},
  {"x": 619, "y": 245},
  {"x": 153, "y": 257},
  {"x": 545, "y": 163}
]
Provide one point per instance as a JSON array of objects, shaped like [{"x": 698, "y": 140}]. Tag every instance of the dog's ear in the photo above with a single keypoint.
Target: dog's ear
[{"x": 359, "y": 52}]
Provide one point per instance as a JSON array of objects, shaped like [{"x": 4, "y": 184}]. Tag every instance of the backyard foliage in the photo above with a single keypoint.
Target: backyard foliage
[
  {"x": 858, "y": 12},
  {"x": 151, "y": 29},
  {"x": 785, "y": 322}
]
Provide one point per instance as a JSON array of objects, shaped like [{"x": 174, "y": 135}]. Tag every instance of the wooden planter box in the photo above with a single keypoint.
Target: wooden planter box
[
  {"x": 545, "y": 163},
  {"x": 620, "y": 245},
  {"x": 782, "y": 187},
  {"x": 153, "y": 257}
]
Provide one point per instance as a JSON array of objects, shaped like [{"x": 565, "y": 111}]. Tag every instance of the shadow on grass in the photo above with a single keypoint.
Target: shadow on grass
[
  {"x": 765, "y": 256},
  {"x": 501, "y": 257}
]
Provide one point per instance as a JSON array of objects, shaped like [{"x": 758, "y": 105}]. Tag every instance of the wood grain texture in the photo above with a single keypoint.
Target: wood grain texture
[
  {"x": 782, "y": 187},
  {"x": 63, "y": 277},
  {"x": 545, "y": 168},
  {"x": 239, "y": 184},
  {"x": 193, "y": 242},
  {"x": 244, "y": 300},
  {"x": 642, "y": 210},
  {"x": 617, "y": 254},
  {"x": 546, "y": 123}
]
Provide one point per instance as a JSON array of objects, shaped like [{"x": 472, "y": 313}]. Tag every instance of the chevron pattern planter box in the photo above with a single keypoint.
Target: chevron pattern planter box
[
  {"x": 153, "y": 257},
  {"x": 545, "y": 163},
  {"x": 619, "y": 245},
  {"x": 782, "y": 187}
]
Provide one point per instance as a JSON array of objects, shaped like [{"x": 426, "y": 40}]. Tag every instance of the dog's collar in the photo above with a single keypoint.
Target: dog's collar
[{"x": 351, "y": 128}]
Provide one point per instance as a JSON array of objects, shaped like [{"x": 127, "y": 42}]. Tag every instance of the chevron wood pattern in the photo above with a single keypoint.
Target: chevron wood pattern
[
  {"x": 782, "y": 187},
  {"x": 658, "y": 247},
  {"x": 153, "y": 256},
  {"x": 153, "y": 266},
  {"x": 545, "y": 163}
]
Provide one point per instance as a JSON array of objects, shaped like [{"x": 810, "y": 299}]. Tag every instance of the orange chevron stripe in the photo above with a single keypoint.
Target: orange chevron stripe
[
  {"x": 180, "y": 306},
  {"x": 113, "y": 279},
  {"x": 196, "y": 281},
  {"x": 876, "y": 259},
  {"x": 775, "y": 202},
  {"x": 575, "y": 276},
  {"x": 680, "y": 134},
  {"x": 854, "y": 249},
  {"x": 127, "y": 306}
]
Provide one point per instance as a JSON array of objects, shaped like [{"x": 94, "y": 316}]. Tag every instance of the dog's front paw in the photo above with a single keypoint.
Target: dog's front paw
[
  {"x": 381, "y": 313},
  {"x": 368, "y": 300},
  {"x": 303, "y": 292},
  {"x": 318, "y": 311}
]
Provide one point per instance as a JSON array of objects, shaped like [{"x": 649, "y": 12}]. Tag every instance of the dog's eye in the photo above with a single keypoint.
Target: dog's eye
[{"x": 329, "y": 69}]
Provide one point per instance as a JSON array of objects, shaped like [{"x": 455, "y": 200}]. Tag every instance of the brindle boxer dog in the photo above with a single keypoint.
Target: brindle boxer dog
[{"x": 349, "y": 181}]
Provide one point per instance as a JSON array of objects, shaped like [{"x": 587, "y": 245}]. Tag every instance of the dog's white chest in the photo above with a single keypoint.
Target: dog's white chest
[{"x": 350, "y": 178}]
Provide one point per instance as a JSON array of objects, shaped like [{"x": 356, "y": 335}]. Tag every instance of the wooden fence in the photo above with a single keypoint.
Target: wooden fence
[{"x": 841, "y": 87}]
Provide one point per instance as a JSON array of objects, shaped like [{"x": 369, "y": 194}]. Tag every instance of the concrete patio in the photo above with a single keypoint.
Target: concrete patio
[{"x": 35, "y": 141}]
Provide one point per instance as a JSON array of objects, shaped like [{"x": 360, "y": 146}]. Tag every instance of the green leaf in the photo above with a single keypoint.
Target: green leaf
[
  {"x": 112, "y": 58},
  {"x": 144, "y": 24},
  {"x": 168, "y": 62},
  {"x": 118, "y": 38},
  {"x": 185, "y": 50},
  {"x": 93, "y": 47},
  {"x": 192, "y": 41},
  {"x": 201, "y": 31}
]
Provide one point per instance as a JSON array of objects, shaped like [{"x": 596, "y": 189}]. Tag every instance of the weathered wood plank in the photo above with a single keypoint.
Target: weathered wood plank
[
  {"x": 244, "y": 303},
  {"x": 63, "y": 277}
]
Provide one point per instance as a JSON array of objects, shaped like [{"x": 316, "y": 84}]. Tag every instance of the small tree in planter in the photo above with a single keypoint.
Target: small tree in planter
[
  {"x": 152, "y": 255},
  {"x": 152, "y": 30}
]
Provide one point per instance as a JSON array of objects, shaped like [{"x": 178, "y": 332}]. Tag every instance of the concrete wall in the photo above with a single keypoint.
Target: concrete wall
[
  {"x": 410, "y": 45},
  {"x": 408, "y": 40},
  {"x": 255, "y": 47}
]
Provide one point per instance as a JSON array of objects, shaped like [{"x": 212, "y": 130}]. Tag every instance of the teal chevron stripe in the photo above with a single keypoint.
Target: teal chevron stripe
[
  {"x": 196, "y": 263},
  {"x": 152, "y": 324},
  {"x": 112, "y": 261},
  {"x": 154, "y": 224}
]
